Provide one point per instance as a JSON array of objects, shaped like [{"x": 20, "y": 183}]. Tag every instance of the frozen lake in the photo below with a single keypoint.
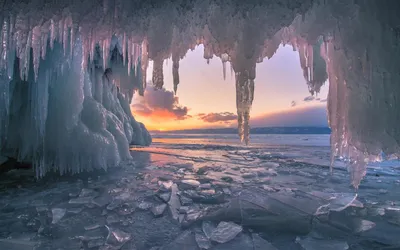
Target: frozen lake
[{"x": 207, "y": 192}]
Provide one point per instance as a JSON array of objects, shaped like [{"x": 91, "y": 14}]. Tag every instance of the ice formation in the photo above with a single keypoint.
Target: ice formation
[
  {"x": 61, "y": 110},
  {"x": 63, "y": 48}
]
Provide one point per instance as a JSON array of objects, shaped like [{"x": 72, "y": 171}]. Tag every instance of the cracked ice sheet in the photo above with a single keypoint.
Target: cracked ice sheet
[{"x": 122, "y": 190}]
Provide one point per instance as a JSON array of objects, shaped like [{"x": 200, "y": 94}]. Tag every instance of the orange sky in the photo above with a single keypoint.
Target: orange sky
[{"x": 202, "y": 90}]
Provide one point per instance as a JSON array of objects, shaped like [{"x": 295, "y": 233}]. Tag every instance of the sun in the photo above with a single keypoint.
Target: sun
[{"x": 161, "y": 129}]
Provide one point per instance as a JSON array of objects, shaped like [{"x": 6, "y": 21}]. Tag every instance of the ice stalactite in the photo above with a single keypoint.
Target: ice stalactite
[
  {"x": 244, "y": 101},
  {"x": 158, "y": 74},
  {"x": 363, "y": 98},
  {"x": 175, "y": 73},
  {"x": 224, "y": 59},
  {"x": 144, "y": 64}
]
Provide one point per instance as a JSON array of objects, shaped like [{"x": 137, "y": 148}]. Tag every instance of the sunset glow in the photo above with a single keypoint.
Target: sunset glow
[{"x": 279, "y": 97}]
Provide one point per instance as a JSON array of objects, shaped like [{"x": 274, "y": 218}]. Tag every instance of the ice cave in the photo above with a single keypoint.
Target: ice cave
[{"x": 69, "y": 71}]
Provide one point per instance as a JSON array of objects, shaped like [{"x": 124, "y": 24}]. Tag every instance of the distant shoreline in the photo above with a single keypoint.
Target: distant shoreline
[{"x": 262, "y": 130}]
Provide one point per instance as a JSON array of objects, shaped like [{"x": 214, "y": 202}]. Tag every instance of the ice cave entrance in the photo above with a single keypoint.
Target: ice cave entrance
[{"x": 79, "y": 75}]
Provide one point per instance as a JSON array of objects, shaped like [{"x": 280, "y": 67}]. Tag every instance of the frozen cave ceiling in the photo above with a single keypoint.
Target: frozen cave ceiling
[{"x": 68, "y": 70}]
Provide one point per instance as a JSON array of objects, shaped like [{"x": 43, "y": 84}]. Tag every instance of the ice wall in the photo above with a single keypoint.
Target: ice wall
[{"x": 65, "y": 113}]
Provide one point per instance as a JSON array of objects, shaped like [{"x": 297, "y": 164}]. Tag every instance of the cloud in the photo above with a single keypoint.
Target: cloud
[
  {"x": 308, "y": 116},
  {"x": 324, "y": 100},
  {"x": 225, "y": 117},
  {"x": 160, "y": 103},
  {"x": 309, "y": 98},
  {"x": 293, "y": 103}
]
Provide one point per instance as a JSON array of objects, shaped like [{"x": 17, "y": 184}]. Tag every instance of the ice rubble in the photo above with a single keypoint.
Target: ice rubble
[{"x": 326, "y": 38}]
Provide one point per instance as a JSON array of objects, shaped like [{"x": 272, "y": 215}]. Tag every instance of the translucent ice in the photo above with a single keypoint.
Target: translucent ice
[{"x": 58, "y": 214}]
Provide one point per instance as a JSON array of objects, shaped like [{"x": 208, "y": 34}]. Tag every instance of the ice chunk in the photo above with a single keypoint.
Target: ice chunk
[
  {"x": 164, "y": 196},
  {"x": 92, "y": 227},
  {"x": 112, "y": 218},
  {"x": 144, "y": 205},
  {"x": 261, "y": 244},
  {"x": 202, "y": 241},
  {"x": 339, "y": 202},
  {"x": 102, "y": 200},
  {"x": 225, "y": 231},
  {"x": 318, "y": 244},
  {"x": 364, "y": 225},
  {"x": 58, "y": 214},
  {"x": 208, "y": 227},
  {"x": 188, "y": 184},
  {"x": 75, "y": 210},
  {"x": 165, "y": 185},
  {"x": 159, "y": 210},
  {"x": 174, "y": 203},
  {"x": 117, "y": 237},
  {"x": 81, "y": 200}
]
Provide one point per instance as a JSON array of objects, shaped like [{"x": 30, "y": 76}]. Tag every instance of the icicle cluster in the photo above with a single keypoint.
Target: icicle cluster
[{"x": 62, "y": 108}]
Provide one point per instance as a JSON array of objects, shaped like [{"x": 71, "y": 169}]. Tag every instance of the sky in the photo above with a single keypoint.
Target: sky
[{"x": 205, "y": 100}]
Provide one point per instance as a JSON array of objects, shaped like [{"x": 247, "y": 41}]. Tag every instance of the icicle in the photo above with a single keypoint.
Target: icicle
[
  {"x": 21, "y": 38},
  {"x": 224, "y": 70},
  {"x": 136, "y": 54},
  {"x": 36, "y": 47},
  {"x": 244, "y": 100},
  {"x": 85, "y": 50},
  {"x": 224, "y": 59},
  {"x": 44, "y": 37},
  {"x": 130, "y": 49},
  {"x": 105, "y": 6},
  {"x": 4, "y": 45},
  {"x": 144, "y": 63},
  {"x": 53, "y": 32},
  {"x": 124, "y": 49},
  {"x": 175, "y": 73},
  {"x": 72, "y": 41},
  {"x": 104, "y": 53},
  {"x": 158, "y": 75},
  {"x": 92, "y": 45},
  {"x": 65, "y": 32},
  {"x": 11, "y": 46}
]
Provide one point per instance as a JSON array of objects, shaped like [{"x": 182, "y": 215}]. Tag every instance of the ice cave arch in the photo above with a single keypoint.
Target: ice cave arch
[{"x": 79, "y": 64}]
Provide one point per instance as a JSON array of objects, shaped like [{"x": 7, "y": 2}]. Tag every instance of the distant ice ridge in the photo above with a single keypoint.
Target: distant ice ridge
[{"x": 62, "y": 112}]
